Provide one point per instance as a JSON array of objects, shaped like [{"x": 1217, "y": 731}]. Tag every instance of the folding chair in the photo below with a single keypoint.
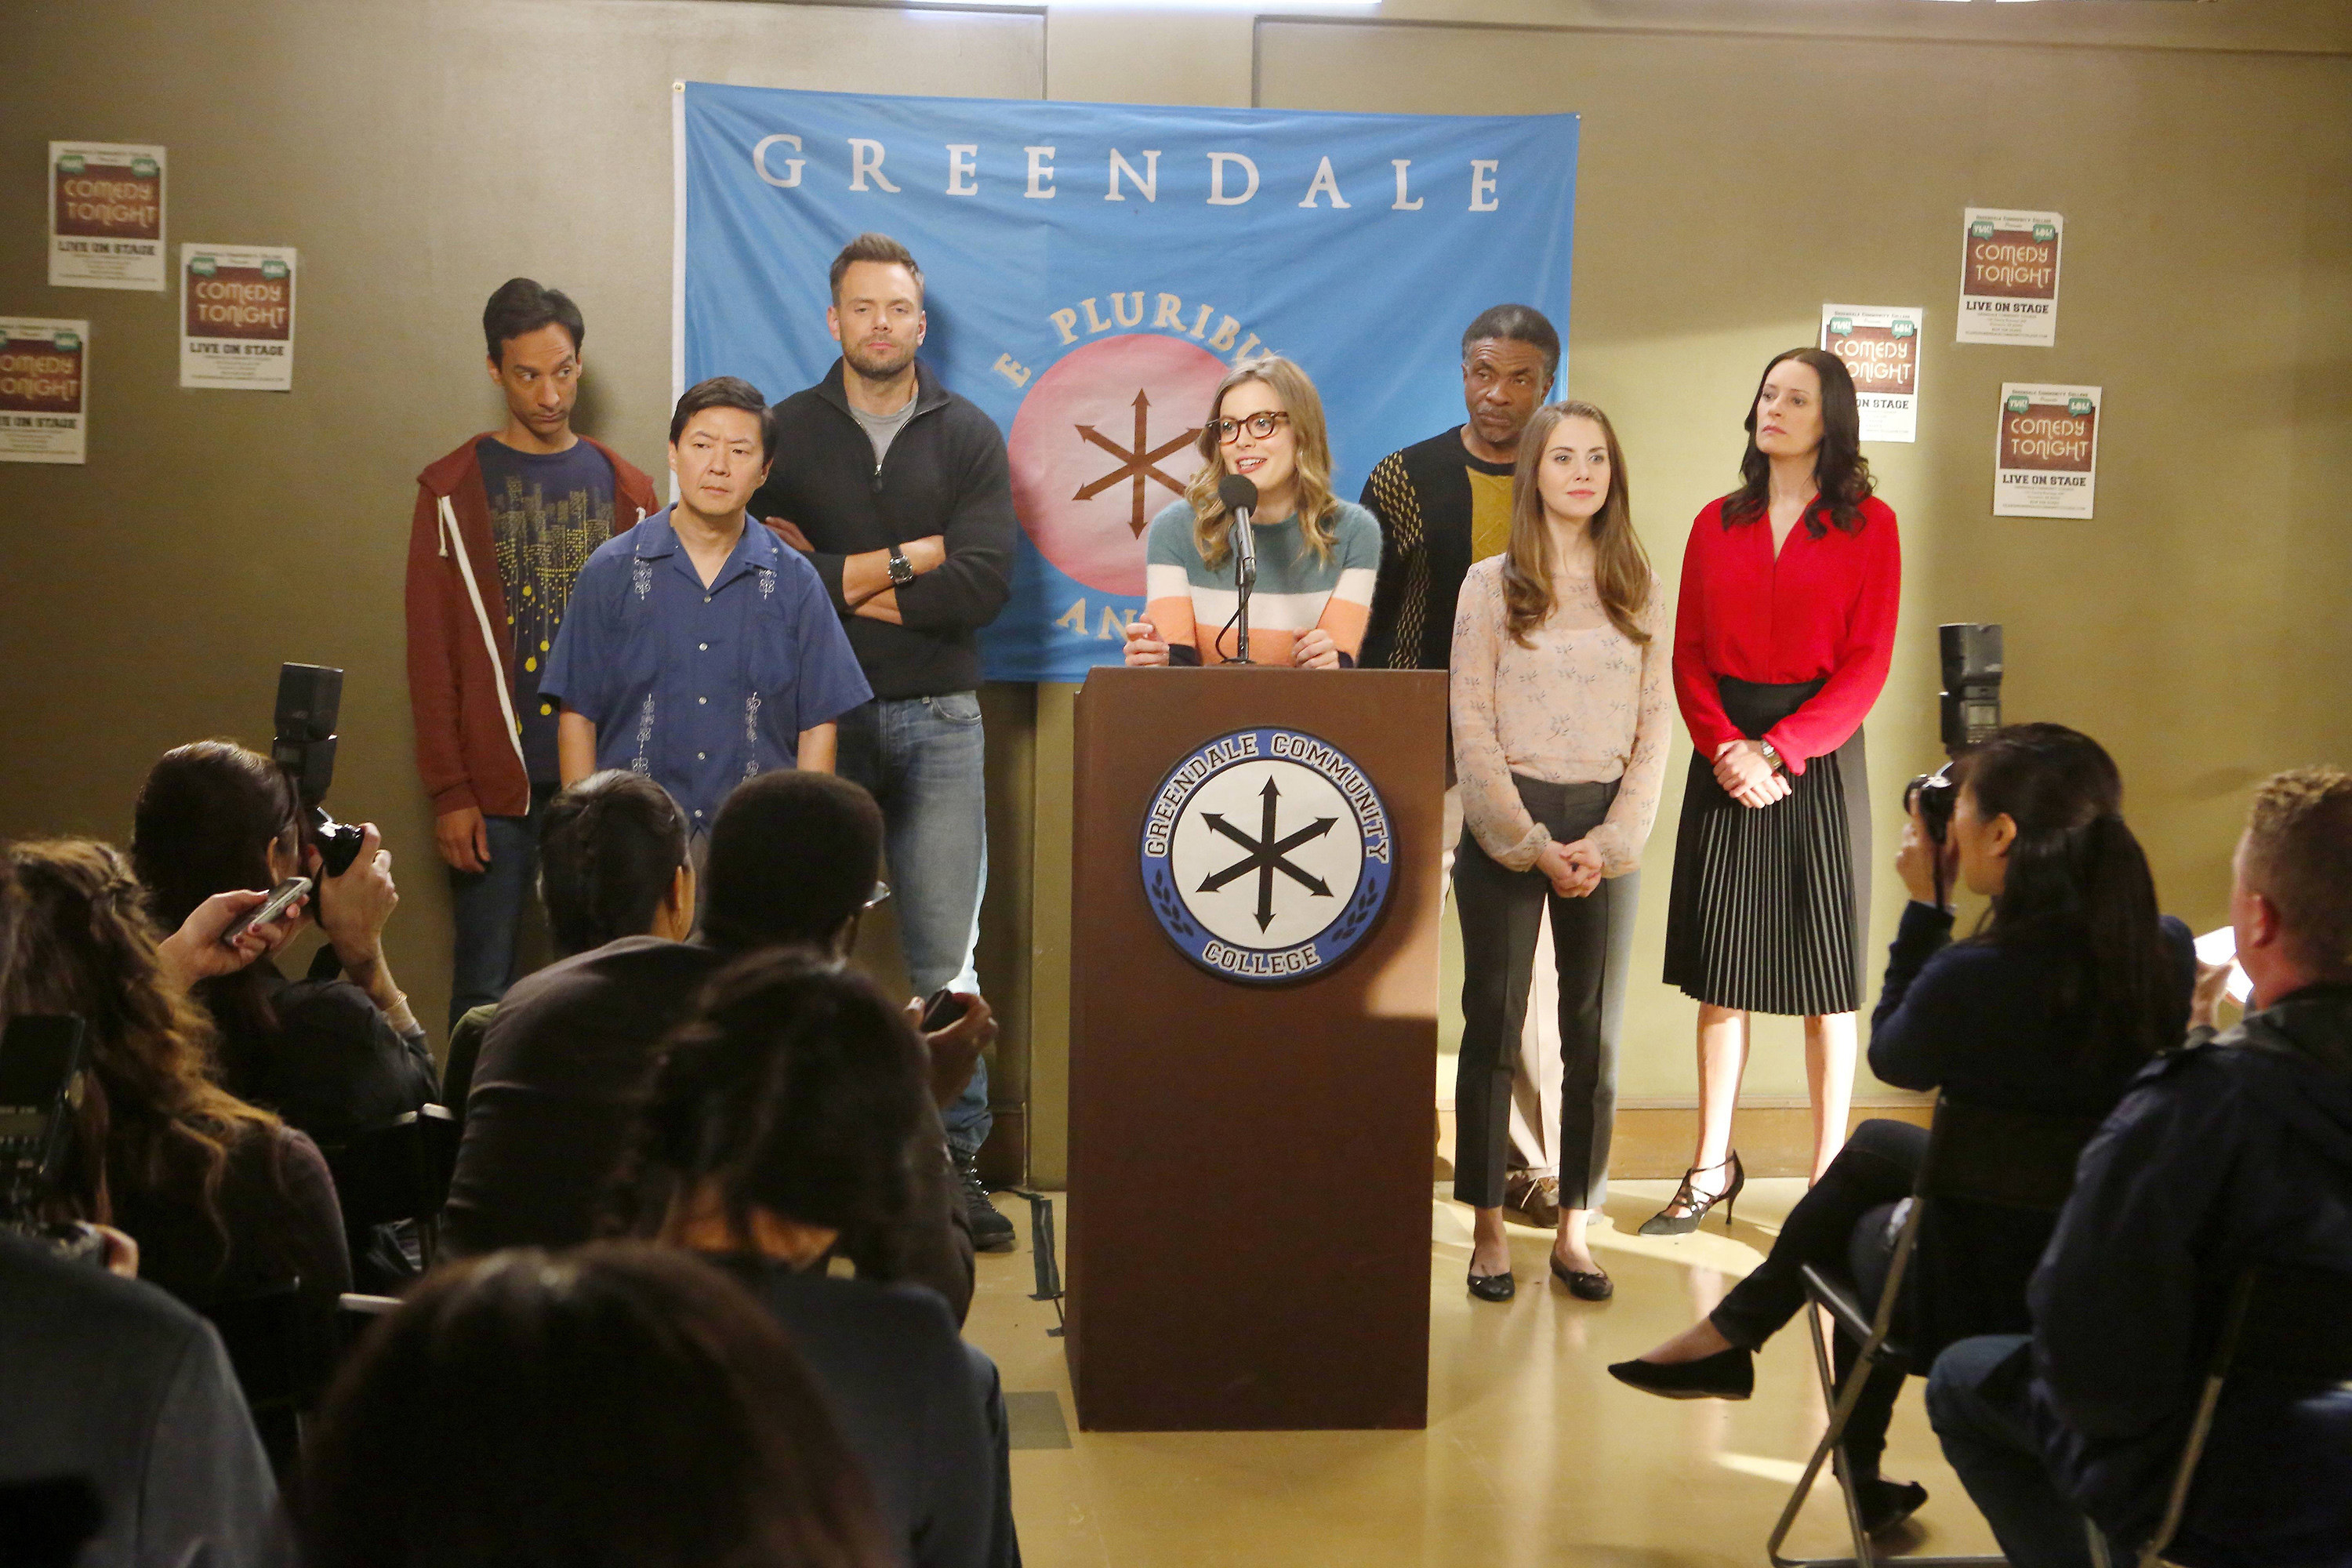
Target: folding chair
[
  {"x": 277, "y": 1363},
  {"x": 2286, "y": 1323},
  {"x": 2013, "y": 1159},
  {"x": 398, "y": 1170},
  {"x": 354, "y": 1315}
]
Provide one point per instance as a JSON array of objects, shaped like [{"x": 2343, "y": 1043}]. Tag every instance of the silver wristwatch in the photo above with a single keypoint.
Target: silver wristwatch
[{"x": 1772, "y": 756}]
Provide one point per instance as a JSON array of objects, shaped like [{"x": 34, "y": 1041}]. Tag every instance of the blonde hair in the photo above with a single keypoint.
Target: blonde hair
[
  {"x": 1621, "y": 567},
  {"x": 1311, "y": 480},
  {"x": 2299, "y": 856}
]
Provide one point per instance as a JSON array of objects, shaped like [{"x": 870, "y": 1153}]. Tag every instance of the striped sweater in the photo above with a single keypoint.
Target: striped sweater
[{"x": 1295, "y": 592}]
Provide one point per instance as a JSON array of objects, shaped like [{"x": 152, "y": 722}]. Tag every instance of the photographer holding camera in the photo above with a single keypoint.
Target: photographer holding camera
[
  {"x": 2072, "y": 985},
  {"x": 337, "y": 1051}
]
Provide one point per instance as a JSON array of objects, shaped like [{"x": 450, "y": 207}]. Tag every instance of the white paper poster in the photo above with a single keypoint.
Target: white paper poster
[
  {"x": 237, "y": 317},
  {"x": 105, "y": 215},
  {"x": 2009, "y": 276},
  {"x": 44, "y": 390},
  {"x": 1880, "y": 345},
  {"x": 2046, "y": 459}
]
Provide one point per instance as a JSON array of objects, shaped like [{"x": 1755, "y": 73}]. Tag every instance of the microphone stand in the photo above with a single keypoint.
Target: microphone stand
[{"x": 1244, "y": 580}]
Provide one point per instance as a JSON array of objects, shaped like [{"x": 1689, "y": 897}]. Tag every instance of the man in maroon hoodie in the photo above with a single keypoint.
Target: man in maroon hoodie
[{"x": 502, "y": 526}]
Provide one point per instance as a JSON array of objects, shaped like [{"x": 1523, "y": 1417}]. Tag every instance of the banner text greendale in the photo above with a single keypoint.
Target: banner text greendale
[{"x": 1234, "y": 178}]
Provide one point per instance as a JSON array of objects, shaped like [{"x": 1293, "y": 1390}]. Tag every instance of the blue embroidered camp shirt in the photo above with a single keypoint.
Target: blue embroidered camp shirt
[{"x": 700, "y": 688}]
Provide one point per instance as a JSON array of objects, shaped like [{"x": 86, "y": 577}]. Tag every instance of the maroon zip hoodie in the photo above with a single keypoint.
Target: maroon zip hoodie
[{"x": 461, "y": 642}]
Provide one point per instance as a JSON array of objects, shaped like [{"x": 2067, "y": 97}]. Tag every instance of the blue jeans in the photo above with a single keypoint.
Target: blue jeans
[
  {"x": 924, "y": 757},
  {"x": 487, "y": 907},
  {"x": 1976, "y": 1400}
]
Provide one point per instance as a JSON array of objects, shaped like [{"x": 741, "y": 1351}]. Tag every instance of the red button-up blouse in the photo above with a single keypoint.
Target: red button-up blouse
[{"x": 1825, "y": 607}]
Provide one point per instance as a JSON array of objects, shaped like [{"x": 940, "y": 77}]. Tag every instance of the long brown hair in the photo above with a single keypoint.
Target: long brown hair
[
  {"x": 1311, "y": 481},
  {"x": 206, "y": 818},
  {"x": 1621, "y": 567},
  {"x": 2078, "y": 885},
  {"x": 1841, "y": 472},
  {"x": 152, "y": 1120}
]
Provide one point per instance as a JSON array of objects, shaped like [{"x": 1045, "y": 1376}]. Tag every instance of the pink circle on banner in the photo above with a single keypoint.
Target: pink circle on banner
[{"x": 1102, "y": 442}]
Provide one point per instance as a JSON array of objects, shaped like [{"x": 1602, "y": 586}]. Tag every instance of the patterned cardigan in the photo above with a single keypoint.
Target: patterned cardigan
[{"x": 1421, "y": 495}]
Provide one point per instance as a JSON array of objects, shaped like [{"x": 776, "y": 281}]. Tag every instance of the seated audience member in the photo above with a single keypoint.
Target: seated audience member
[
  {"x": 336, "y": 1052},
  {"x": 791, "y": 862},
  {"x": 113, "y": 1383},
  {"x": 1318, "y": 555},
  {"x": 622, "y": 1406},
  {"x": 223, "y": 1199},
  {"x": 611, "y": 863},
  {"x": 2231, "y": 1155},
  {"x": 115, "y": 1387},
  {"x": 2074, "y": 984},
  {"x": 780, "y": 1120}
]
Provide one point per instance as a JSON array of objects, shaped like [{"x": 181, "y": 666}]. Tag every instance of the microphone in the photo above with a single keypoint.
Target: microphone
[{"x": 1239, "y": 497}]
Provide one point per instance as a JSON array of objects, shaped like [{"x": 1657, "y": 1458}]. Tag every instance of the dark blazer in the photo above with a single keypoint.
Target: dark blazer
[
  {"x": 278, "y": 1223},
  {"x": 946, "y": 474},
  {"x": 2233, "y": 1151},
  {"x": 899, "y": 1383},
  {"x": 1977, "y": 1021},
  {"x": 556, "y": 1089},
  {"x": 113, "y": 1381},
  {"x": 334, "y": 1065}
]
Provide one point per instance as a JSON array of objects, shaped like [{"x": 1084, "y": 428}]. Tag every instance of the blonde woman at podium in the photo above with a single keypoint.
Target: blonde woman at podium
[
  {"x": 1560, "y": 724},
  {"x": 1317, "y": 556}
]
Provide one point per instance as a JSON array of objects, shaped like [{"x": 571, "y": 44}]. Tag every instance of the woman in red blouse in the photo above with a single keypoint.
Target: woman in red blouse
[{"x": 1781, "y": 642}]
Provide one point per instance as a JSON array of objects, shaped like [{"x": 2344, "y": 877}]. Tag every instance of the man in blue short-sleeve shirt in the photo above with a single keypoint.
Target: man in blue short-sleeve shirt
[{"x": 698, "y": 649}]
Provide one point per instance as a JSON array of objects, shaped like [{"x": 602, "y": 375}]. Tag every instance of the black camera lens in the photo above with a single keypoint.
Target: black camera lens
[
  {"x": 1935, "y": 794},
  {"x": 339, "y": 845}
]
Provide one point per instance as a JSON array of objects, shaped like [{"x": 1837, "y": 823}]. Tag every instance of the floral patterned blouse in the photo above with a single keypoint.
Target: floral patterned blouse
[{"x": 1585, "y": 704}]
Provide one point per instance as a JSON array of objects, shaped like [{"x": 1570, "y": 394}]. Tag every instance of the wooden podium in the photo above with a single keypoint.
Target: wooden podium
[{"x": 1249, "y": 1187}]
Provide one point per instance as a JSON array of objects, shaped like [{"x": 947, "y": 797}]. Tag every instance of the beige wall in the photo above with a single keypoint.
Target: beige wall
[{"x": 1740, "y": 163}]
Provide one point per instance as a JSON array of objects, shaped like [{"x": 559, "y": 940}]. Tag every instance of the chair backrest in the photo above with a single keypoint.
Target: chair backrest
[
  {"x": 2285, "y": 1320},
  {"x": 270, "y": 1349},
  {"x": 396, "y": 1170},
  {"x": 2017, "y": 1158}
]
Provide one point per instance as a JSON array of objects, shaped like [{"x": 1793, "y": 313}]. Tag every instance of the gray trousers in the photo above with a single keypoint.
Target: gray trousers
[{"x": 1592, "y": 939}]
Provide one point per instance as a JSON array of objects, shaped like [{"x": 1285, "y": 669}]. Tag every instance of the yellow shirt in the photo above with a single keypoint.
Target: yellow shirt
[{"x": 1490, "y": 514}]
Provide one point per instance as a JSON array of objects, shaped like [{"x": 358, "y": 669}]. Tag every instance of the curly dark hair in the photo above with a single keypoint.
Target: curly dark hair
[
  {"x": 618, "y": 1406},
  {"x": 1840, "y": 470},
  {"x": 153, "y": 1119},
  {"x": 797, "y": 1088}
]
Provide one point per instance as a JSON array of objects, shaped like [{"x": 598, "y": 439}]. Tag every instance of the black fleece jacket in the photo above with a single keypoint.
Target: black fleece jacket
[
  {"x": 946, "y": 474},
  {"x": 2233, "y": 1151}
]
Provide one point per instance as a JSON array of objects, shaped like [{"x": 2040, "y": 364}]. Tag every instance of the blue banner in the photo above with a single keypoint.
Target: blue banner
[{"x": 1090, "y": 271}]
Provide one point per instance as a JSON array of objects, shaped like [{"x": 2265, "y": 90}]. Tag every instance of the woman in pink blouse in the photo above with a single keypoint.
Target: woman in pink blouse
[{"x": 1560, "y": 716}]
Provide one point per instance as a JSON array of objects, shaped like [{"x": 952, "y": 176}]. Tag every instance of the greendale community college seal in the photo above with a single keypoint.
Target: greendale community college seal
[{"x": 1266, "y": 856}]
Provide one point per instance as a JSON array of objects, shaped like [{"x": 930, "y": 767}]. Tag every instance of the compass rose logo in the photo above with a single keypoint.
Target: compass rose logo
[
  {"x": 1102, "y": 442},
  {"x": 1266, "y": 856}
]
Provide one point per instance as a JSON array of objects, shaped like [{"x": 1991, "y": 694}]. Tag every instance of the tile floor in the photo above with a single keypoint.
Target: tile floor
[{"x": 1533, "y": 1454}]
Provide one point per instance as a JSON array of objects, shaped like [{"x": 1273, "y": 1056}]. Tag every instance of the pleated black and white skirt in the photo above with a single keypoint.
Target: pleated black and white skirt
[{"x": 1769, "y": 903}]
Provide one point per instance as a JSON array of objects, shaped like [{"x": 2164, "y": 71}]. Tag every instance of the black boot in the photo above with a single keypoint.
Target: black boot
[{"x": 991, "y": 1231}]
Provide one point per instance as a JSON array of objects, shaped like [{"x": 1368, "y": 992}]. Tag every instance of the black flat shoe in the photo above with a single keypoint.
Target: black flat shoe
[
  {"x": 1594, "y": 1287},
  {"x": 1727, "y": 1374},
  {"x": 1886, "y": 1504},
  {"x": 1693, "y": 1208},
  {"x": 1494, "y": 1286}
]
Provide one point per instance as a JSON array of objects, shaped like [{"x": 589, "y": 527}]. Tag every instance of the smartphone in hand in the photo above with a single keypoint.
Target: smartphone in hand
[
  {"x": 280, "y": 898},
  {"x": 943, "y": 1010}
]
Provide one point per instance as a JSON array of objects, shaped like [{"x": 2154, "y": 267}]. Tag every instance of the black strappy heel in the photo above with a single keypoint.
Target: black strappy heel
[{"x": 1667, "y": 1222}]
